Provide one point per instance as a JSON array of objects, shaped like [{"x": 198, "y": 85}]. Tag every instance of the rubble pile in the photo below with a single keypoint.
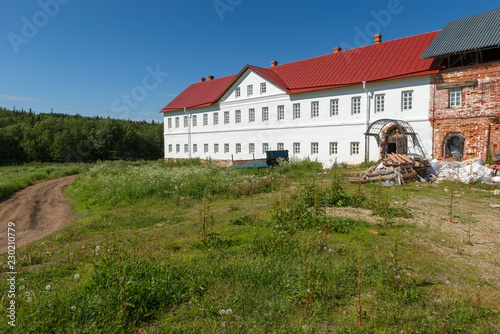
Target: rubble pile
[{"x": 468, "y": 171}]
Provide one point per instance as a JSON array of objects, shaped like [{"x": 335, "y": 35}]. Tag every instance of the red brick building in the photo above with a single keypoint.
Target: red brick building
[{"x": 465, "y": 94}]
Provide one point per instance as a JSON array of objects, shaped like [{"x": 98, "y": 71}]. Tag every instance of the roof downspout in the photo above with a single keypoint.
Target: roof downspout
[
  {"x": 189, "y": 133},
  {"x": 367, "y": 138}
]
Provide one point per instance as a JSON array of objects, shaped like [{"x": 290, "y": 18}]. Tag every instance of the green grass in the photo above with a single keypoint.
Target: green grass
[
  {"x": 272, "y": 256},
  {"x": 15, "y": 178}
]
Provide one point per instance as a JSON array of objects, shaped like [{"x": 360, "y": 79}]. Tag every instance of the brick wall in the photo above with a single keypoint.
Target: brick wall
[{"x": 477, "y": 119}]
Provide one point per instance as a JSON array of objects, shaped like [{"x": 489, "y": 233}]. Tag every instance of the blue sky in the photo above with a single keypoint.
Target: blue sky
[{"x": 129, "y": 58}]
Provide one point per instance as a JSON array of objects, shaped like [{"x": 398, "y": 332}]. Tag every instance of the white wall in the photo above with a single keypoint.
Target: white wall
[{"x": 343, "y": 128}]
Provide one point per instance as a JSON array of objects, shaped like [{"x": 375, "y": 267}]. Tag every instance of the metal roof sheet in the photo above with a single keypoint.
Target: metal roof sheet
[
  {"x": 398, "y": 58},
  {"x": 466, "y": 34}
]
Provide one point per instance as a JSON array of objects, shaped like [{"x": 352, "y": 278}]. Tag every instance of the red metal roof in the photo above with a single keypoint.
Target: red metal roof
[{"x": 394, "y": 59}]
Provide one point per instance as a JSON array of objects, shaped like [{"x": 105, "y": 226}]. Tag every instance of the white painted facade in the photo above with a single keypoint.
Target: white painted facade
[{"x": 303, "y": 135}]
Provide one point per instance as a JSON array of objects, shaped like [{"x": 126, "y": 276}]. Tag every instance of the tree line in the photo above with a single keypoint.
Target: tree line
[{"x": 50, "y": 137}]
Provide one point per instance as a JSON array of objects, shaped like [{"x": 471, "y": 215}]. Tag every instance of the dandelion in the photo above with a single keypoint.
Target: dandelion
[
  {"x": 27, "y": 293},
  {"x": 304, "y": 327},
  {"x": 97, "y": 248},
  {"x": 77, "y": 276},
  {"x": 308, "y": 290},
  {"x": 48, "y": 287},
  {"x": 229, "y": 311},
  {"x": 398, "y": 277},
  {"x": 29, "y": 299},
  {"x": 408, "y": 274},
  {"x": 331, "y": 250},
  {"x": 448, "y": 282},
  {"x": 222, "y": 312},
  {"x": 73, "y": 308}
]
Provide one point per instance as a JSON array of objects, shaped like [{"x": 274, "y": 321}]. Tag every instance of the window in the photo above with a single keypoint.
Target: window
[
  {"x": 216, "y": 148},
  {"x": 407, "y": 100},
  {"x": 265, "y": 114},
  {"x": 314, "y": 148},
  {"x": 333, "y": 148},
  {"x": 354, "y": 148},
  {"x": 334, "y": 107},
  {"x": 315, "y": 109},
  {"x": 186, "y": 148},
  {"x": 249, "y": 90},
  {"x": 237, "y": 116},
  {"x": 356, "y": 105},
  {"x": 195, "y": 148},
  {"x": 265, "y": 147},
  {"x": 169, "y": 123},
  {"x": 216, "y": 118},
  {"x": 263, "y": 88},
  {"x": 205, "y": 119},
  {"x": 237, "y": 92},
  {"x": 185, "y": 121},
  {"x": 226, "y": 117},
  {"x": 205, "y": 148},
  {"x": 281, "y": 112},
  {"x": 296, "y": 110},
  {"x": 455, "y": 97},
  {"x": 195, "y": 120},
  {"x": 251, "y": 148},
  {"x": 296, "y": 148},
  {"x": 177, "y": 122},
  {"x": 238, "y": 148},
  {"x": 281, "y": 146},
  {"x": 226, "y": 148},
  {"x": 380, "y": 103},
  {"x": 251, "y": 115},
  {"x": 177, "y": 148},
  {"x": 170, "y": 148}
]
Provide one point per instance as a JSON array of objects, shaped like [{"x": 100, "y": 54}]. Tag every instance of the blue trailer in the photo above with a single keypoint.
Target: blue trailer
[{"x": 270, "y": 160}]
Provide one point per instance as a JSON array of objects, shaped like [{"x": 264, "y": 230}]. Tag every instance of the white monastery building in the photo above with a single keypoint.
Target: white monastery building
[{"x": 319, "y": 108}]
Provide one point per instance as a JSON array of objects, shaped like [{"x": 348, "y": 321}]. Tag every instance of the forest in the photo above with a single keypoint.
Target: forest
[{"x": 26, "y": 136}]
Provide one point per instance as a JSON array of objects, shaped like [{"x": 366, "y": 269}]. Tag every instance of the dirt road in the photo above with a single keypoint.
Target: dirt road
[{"x": 37, "y": 211}]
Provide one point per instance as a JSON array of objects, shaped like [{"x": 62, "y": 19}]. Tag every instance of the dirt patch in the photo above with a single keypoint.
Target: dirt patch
[{"x": 37, "y": 211}]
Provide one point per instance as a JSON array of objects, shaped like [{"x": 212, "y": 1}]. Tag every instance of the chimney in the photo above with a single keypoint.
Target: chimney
[
  {"x": 337, "y": 49},
  {"x": 211, "y": 77},
  {"x": 274, "y": 63},
  {"x": 202, "y": 79},
  {"x": 378, "y": 38}
]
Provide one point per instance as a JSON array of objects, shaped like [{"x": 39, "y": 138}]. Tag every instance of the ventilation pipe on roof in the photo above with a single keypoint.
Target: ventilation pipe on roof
[
  {"x": 378, "y": 38},
  {"x": 189, "y": 132},
  {"x": 337, "y": 49},
  {"x": 202, "y": 79},
  {"x": 367, "y": 138},
  {"x": 211, "y": 77},
  {"x": 274, "y": 63}
]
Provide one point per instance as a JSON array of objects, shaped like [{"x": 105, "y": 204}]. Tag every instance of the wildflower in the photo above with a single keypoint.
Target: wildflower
[
  {"x": 97, "y": 248},
  {"x": 325, "y": 248},
  {"x": 29, "y": 299},
  {"x": 27, "y": 293},
  {"x": 77, "y": 276},
  {"x": 73, "y": 308},
  {"x": 308, "y": 290},
  {"x": 398, "y": 277},
  {"x": 48, "y": 287},
  {"x": 447, "y": 282},
  {"x": 408, "y": 274},
  {"x": 331, "y": 250},
  {"x": 304, "y": 327},
  {"x": 222, "y": 312},
  {"x": 229, "y": 311}
]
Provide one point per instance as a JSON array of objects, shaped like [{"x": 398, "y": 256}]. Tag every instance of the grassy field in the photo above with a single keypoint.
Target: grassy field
[
  {"x": 16, "y": 178},
  {"x": 163, "y": 248}
]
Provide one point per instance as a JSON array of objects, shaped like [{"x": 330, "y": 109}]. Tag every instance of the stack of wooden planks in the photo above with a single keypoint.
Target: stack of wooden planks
[{"x": 398, "y": 167}]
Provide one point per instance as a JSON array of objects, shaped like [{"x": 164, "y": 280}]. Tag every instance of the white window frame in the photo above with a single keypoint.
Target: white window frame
[
  {"x": 265, "y": 114},
  {"x": 455, "y": 97},
  {"x": 237, "y": 92},
  {"x": 281, "y": 113},
  {"x": 296, "y": 148},
  {"x": 251, "y": 148},
  {"x": 237, "y": 116},
  {"x": 315, "y": 109},
  {"x": 226, "y": 148},
  {"x": 205, "y": 119},
  {"x": 186, "y": 148},
  {"x": 280, "y": 146},
  {"x": 177, "y": 122},
  {"x": 334, "y": 148},
  {"x": 216, "y": 148},
  {"x": 355, "y": 148},
  {"x": 169, "y": 122},
  {"x": 265, "y": 148},
  {"x": 226, "y": 117},
  {"x": 216, "y": 118},
  {"x": 249, "y": 90},
  {"x": 334, "y": 107},
  {"x": 263, "y": 88},
  {"x": 251, "y": 115},
  {"x": 195, "y": 148},
  {"x": 169, "y": 148},
  {"x": 406, "y": 100},
  {"x": 296, "y": 110},
  {"x": 238, "y": 148},
  {"x": 205, "y": 148},
  {"x": 314, "y": 148},
  {"x": 186, "y": 121},
  {"x": 356, "y": 105},
  {"x": 379, "y": 101},
  {"x": 195, "y": 120},
  {"x": 177, "y": 148}
]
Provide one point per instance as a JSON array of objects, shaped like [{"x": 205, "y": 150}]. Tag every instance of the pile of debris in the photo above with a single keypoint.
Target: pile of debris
[
  {"x": 396, "y": 169},
  {"x": 468, "y": 171}
]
